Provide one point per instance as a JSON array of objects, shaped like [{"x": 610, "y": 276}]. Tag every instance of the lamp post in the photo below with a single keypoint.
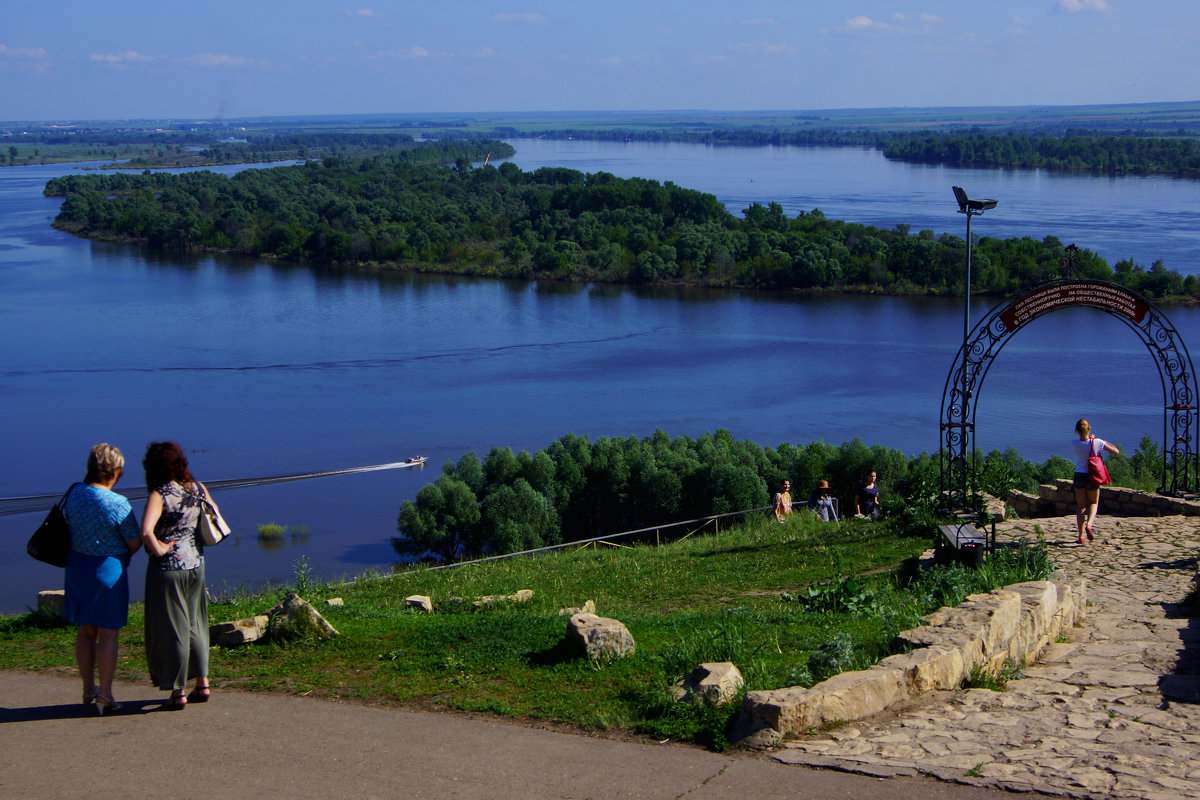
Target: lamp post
[{"x": 972, "y": 208}]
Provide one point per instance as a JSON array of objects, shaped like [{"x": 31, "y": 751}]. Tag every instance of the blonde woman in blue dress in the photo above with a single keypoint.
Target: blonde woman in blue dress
[{"x": 104, "y": 534}]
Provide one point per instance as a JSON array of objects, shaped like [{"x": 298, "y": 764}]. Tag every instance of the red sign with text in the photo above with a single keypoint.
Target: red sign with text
[{"x": 1107, "y": 297}]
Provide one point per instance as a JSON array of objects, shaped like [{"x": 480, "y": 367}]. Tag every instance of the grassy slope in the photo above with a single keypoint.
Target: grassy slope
[{"x": 723, "y": 597}]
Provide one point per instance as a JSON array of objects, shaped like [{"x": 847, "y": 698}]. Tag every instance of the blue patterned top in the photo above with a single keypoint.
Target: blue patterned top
[{"x": 101, "y": 521}]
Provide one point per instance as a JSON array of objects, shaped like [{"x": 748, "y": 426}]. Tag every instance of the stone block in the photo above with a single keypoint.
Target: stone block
[
  {"x": 1039, "y": 602},
  {"x": 419, "y": 601},
  {"x": 50, "y": 603},
  {"x": 969, "y": 642},
  {"x": 713, "y": 684},
  {"x": 933, "y": 668},
  {"x": 854, "y": 695},
  {"x": 521, "y": 596},
  {"x": 791, "y": 710},
  {"x": 238, "y": 632},
  {"x": 589, "y": 607},
  {"x": 600, "y": 638},
  {"x": 296, "y": 618}
]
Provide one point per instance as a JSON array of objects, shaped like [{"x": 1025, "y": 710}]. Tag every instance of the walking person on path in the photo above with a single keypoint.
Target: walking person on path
[{"x": 1087, "y": 492}]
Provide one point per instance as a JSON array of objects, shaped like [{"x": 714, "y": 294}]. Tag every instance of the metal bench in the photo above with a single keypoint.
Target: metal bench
[{"x": 966, "y": 541}]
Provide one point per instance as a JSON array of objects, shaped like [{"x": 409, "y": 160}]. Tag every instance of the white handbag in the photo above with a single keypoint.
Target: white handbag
[{"x": 210, "y": 527}]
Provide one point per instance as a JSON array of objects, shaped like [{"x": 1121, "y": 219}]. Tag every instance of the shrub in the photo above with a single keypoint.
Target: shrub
[{"x": 271, "y": 531}]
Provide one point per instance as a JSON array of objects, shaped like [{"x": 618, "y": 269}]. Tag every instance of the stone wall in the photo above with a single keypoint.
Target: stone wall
[
  {"x": 1058, "y": 499},
  {"x": 1011, "y": 624}
]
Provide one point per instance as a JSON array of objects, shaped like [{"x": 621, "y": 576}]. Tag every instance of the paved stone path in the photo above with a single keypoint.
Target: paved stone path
[{"x": 1112, "y": 712}]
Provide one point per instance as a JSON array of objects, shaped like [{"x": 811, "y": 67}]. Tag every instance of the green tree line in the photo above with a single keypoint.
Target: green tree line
[
  {"x": 577, "y": 489},
  {"x": 1072, "y": 150},
  {"x": 403, "y": 210}
]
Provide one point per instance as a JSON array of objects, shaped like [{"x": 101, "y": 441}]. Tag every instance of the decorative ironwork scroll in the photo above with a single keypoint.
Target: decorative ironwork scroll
[{"x": 1181, "y": 466}]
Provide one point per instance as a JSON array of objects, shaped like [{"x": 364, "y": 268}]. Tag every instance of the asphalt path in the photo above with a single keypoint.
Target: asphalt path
[{"x": 245, "y": 745}]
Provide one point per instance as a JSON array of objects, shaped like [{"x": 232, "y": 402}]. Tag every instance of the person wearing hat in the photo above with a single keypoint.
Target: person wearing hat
[{"x": 820, "y": 503}]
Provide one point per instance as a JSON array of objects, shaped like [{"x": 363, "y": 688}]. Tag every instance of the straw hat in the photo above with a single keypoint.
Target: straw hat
[{"x": 822, "y": 485}]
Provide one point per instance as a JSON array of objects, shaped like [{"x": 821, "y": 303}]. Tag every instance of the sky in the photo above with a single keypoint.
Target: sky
[{"x": 82, "y": 59}]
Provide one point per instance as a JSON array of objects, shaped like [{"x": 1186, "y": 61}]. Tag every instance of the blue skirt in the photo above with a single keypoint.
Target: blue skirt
[{"x": 97, "y": 591}]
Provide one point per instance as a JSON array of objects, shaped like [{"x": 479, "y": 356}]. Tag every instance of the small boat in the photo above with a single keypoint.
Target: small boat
[{"x": 415, "y": 461}]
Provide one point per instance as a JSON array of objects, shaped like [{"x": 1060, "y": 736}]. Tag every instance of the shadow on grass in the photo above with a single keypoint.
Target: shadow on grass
[{"x": 560, "y": 653}]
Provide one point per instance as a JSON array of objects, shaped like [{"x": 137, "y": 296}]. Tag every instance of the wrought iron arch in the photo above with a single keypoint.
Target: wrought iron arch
[{"x": 1180, "y": 473}]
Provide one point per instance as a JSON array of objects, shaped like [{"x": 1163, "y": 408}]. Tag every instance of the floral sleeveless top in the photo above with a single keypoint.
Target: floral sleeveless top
[{"x": 181, "y": 512}]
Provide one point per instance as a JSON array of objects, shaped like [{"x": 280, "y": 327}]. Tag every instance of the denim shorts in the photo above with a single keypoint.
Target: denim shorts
[{"x": 1084, "y": 481}]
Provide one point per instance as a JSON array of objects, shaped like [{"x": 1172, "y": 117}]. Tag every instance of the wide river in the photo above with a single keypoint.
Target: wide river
[{"x": 266, "y": 369}]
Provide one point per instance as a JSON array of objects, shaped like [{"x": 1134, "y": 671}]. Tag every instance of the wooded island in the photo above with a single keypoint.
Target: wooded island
[{"x": 407, "y": 210}]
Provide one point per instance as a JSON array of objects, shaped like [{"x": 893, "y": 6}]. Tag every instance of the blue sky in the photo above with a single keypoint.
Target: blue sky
[{"x": 69, "y": 59}]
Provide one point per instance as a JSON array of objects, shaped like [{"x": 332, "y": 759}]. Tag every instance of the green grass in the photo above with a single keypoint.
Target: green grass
[
  {"x": 757, "y": 595},
  {"x": 271, "y": 530}
]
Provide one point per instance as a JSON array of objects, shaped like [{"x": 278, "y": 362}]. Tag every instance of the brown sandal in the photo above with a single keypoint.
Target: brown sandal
[
  {"x": 200, "y": 694},
  {"x": 177, "y": 702}
]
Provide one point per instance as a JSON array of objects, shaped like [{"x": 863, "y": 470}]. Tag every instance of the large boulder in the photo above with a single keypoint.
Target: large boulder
[
  {"x": 295, "y": 618},
  {"x": 600, "y": 638}
]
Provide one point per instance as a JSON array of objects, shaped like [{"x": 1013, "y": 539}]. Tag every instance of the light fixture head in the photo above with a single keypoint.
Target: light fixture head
[{"x": 967, "y": 206}]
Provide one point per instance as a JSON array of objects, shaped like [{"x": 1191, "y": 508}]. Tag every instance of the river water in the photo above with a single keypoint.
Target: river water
[{"x": 265, "y": 369}]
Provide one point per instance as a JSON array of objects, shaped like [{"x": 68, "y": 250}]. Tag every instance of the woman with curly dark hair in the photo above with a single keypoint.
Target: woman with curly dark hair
[{"x": 176, "y": 605}]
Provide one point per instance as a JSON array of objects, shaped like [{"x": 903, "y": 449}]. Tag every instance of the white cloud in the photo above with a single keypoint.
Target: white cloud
[
  {"x": 763, "y": 48},
  {"x": 22, "y": 52},
  {"x": 1077, "y": 6},
  {"x": 129, "y": 56},
  {"x": 523, "y": 17},
  {"x": 219, "y": 60},
  {"x": 414, "y": 52},
  {"x": 898, "y": 24},
  {"x": 1019, "y": 27},
  {"x": 24, "y": 59},
  {"x": 365, "y": 13},
  {"x": 760, "y": 21},
  {"x": 864, "y": 24}
]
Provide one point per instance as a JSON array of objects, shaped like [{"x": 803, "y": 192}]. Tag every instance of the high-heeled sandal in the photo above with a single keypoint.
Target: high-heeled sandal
[
  {"x": 200, "y": 694},
  {"x": 176, "y": 702},
  {"x": 89, "y": 696},
  {"x": 106, "y": 705}
]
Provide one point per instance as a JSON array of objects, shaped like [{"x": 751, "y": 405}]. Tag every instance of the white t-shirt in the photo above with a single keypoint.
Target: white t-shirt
[{"x": 1083, "y": 451}]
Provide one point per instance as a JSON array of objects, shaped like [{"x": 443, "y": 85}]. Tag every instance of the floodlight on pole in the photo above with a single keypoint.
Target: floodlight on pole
[{"x": 972, "y": 208}]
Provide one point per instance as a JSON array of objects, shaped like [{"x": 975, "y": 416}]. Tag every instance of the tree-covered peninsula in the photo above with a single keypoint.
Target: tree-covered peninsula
[{"x": 407, "y": 210}]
